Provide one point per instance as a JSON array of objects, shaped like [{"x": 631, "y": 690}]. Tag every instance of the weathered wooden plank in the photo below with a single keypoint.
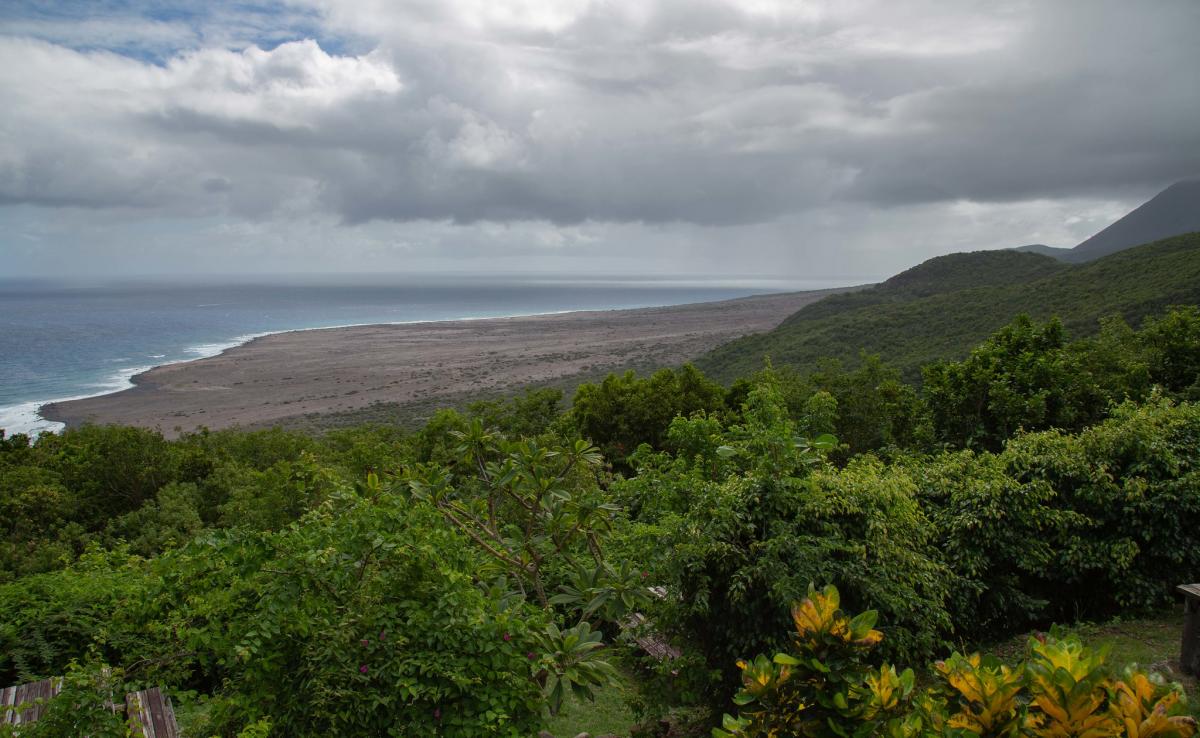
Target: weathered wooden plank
[
  {"x": 649, "y": 641},
  {"x": 164, "y": 716},
  {"x": 8, "y": 698},
  {"x": 33, "y": 696},
  {"x": 150, "y": 714},
  {"x": 1191, "y": 591}
]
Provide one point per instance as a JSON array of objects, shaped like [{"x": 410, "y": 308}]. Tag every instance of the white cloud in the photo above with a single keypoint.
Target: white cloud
[{"x": 290, "y": 86}]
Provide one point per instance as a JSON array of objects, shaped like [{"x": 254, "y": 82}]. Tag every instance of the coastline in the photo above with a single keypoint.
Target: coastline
[
  {"x": 276, "y": 376},
  {"x": 31, "y": 421},
  {"x": 29, "y": 413}
]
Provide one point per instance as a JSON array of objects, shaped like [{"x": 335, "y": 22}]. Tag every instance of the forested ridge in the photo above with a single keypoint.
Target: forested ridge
[
  {"x": 466, "y": 578},
  {"x": 941, "y": 308}
]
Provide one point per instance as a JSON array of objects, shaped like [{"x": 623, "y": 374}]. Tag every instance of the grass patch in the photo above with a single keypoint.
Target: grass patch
[
  {"x": 1152, "y": 642},
  {"x": 609, "y": 714}
]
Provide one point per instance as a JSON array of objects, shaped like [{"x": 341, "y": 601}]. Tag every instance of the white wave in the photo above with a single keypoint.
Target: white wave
[
  {"x": 23, "y": 418},
  {"x": 117, "y": 381},
  {"x": 205, "y": 350}
]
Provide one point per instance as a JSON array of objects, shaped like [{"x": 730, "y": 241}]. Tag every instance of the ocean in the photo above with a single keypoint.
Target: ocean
[{"x": 67, "y": 340}]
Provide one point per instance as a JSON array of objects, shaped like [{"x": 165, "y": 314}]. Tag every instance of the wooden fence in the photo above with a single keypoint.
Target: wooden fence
[{"x": 149, "y": 711}]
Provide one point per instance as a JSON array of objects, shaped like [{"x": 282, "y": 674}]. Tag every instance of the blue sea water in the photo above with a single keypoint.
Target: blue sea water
[{"x": 65, "y": 340}]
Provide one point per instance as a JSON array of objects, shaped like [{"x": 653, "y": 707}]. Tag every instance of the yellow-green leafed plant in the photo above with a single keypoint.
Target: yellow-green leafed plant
[
  {"x": 1147, "y": 708},
  {"x": 1072, "y": 696},
  {"x": 1067, "y": 687},
  {"x": 821, "y": 625},
  {"x": 824, "y": 687},
  {"x": 981, "y": 696}
]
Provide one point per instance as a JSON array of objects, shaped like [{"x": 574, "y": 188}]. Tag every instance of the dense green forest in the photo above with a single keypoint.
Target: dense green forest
[
  {"x": 463, "y": 579},
  {"x": 940, "y": 309}
]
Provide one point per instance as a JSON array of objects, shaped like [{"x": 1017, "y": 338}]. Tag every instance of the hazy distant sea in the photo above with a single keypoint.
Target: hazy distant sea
[{"x": 69, "y": 340}]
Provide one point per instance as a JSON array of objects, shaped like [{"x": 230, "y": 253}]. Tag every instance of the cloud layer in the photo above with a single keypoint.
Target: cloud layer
[{"x": 782, "y": 125}]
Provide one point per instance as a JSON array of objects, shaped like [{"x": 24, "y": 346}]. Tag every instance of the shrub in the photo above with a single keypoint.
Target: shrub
[
  {"x": 1129, "y": 489},
  {"x": 48, "y": 620},
  {"x": 1024, "y": 376},
  {"x": 358, "y": 619},
  {"x": 622, "y": 412},
  {"x": 997, "y": 535},
  {"x": 759, "y": 517}
]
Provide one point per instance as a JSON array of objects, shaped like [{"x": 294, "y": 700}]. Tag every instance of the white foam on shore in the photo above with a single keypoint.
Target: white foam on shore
[{"x": 25, "y": 417}]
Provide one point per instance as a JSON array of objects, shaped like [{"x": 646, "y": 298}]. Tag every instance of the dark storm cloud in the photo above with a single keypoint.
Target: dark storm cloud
[{"x": 1092, "y": 101}]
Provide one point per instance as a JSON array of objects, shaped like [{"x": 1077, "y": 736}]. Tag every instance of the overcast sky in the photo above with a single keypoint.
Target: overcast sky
[{"x": 831, "y": 139}]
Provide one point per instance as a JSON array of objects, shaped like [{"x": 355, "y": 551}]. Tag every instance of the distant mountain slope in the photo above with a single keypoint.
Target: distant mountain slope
[
  {"x": 1171, "y": 212},
  {"x": 1044, "y": 250},
  {"x": 940, "y": 309}
]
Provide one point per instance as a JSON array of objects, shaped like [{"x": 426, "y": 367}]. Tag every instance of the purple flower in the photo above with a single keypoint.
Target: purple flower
[
  {"x": 381, "y": 635},
  {"x": 366, "y": 642},
  {"x": 362, "y": 669},
  {"x": 437, "y": 713},
  {"x": 507, "y": 637},
  {"x": 531, "y": 655}
]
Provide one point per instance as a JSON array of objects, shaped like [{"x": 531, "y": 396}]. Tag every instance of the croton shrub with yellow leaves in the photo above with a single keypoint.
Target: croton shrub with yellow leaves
[{"x": 825, "y": 688}]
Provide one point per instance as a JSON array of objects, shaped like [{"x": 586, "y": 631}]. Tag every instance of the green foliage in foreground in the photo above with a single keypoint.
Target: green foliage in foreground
[
  {"x": 734, "y": 523},
  {"x": 739, "y": 522},
  {"x": 357, "y": 619},
  {"x": 913, "y": 322},
  {"x": 825, "y": 686},
  {"x": 471, "y": 577}
]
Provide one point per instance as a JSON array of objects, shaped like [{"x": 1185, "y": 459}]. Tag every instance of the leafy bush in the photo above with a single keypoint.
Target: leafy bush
[
  {"x": 1065, "y": 526},
  {"x": 824, "y": 687},
  {"x": 623, "y": 411},
  {"x": 1129, "y": 494},
  {"x": 84, "y": 705},
  {"x": 997, "y": 534},
  {"x": 875, "y": 409},
  {"x": 1024, "y": 376},
  {"x": 1171, "y": 347},
  {"x": 757, "y": 517},
  {"x": 48, "y": 620},
  {"x": 523, "y": 416},
  {"x": 356, "y": 620},
  {"x": 108, "y": 483}
]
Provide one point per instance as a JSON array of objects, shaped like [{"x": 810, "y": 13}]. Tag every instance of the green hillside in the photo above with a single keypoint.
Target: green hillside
[{"x": 943, "y": 307}]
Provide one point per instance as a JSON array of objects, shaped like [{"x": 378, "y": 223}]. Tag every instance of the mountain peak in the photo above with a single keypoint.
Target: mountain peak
[{"x": 1172, "y": 212}]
